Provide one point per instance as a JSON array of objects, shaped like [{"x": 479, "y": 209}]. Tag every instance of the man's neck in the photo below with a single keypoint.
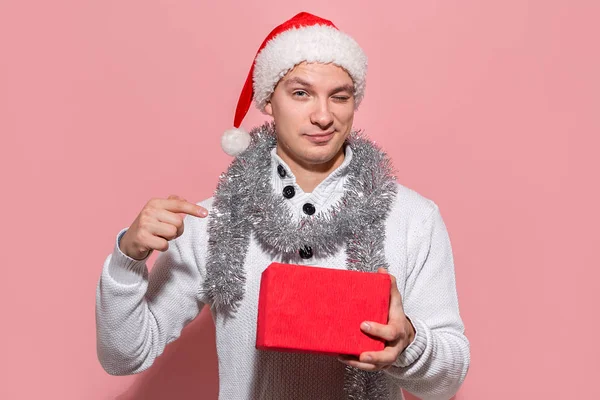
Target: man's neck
[{"x": 309, "y": 176}]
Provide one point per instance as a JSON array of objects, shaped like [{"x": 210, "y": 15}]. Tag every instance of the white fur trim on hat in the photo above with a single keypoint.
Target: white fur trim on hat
[
  {"x": 316, "y": 43},
  {"x": 234, "y": 141}
]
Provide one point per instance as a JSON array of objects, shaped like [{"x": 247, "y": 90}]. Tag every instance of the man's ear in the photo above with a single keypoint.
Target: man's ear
[{"x": 269, "y": 108}]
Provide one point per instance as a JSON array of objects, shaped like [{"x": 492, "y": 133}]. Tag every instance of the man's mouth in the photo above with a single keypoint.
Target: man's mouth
[{"x": 320, "y": 137}]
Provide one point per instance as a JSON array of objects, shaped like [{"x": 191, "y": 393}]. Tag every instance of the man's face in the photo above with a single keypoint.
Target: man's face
[{"x": 313, "y": 109}]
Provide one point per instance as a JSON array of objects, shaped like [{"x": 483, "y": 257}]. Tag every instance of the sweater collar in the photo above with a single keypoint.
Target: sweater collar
[{"x": 322, "y": 197}]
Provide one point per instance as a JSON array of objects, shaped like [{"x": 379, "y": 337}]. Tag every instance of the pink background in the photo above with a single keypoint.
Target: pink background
[{"x": 490, "y": 108}]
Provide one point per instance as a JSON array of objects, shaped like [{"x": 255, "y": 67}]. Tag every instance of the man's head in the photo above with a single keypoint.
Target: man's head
[
  {"x": 299, "y": 45},
  {"x": 313, "y": 109}
]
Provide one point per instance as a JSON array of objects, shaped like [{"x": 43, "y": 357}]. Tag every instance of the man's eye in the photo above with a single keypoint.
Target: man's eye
[
  {"x": 341, "y": 98},
  {"x": 299, "y": 93}
]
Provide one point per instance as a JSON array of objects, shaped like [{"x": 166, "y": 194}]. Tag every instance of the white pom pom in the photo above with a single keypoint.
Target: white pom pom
[{"x": 234, "y": 141}]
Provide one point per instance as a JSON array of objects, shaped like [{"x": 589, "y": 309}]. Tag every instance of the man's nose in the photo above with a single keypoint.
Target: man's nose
[{"x": 321, "y": 114}]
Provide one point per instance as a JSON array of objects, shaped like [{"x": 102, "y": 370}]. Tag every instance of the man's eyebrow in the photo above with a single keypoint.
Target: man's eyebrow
[
  {"x": 299, "y": 81},
  {"x": 296, "y": 80},
  {"x": 344, "y": 88}
]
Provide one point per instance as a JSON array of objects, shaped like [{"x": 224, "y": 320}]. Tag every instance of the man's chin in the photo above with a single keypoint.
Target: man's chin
[{"x": 319, "y": 156}]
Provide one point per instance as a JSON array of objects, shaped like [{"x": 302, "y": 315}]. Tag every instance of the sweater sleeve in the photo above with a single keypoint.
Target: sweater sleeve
[
  {"x": 435, "y": 364},
  {"x": 139, "y": 313}
]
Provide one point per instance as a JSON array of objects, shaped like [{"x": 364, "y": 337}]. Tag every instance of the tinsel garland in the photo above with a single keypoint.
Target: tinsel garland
[{"x": 244, "y": 203}]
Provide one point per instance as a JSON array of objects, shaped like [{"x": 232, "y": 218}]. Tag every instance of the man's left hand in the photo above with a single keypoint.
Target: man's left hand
[{"x": 398, "y": 334}]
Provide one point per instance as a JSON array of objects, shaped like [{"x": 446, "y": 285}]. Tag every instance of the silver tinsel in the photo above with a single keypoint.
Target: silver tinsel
[{"x": 244, "y": 203}]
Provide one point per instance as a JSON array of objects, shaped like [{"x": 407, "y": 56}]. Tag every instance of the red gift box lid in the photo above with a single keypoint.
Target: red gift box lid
[{"x": 319, "y": 310}]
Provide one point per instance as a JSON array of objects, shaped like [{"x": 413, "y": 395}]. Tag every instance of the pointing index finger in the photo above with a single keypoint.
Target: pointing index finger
[{"x": 184, "y": 206}]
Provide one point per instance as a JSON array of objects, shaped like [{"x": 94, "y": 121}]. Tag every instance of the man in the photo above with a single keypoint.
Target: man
[{"x": 302, "y": 190}]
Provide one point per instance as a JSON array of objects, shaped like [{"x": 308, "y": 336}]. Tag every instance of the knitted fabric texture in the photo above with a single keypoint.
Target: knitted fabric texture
[
  {"x": 244, "y": 202},
  {"x": 138, "y": 312}
]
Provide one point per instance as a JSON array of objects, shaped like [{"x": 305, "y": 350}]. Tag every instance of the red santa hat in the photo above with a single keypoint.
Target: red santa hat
[{"x": 305, "y": 37}]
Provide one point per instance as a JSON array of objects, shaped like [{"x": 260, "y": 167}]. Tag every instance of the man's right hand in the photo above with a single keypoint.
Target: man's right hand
[{"x": 157, "y": 224}]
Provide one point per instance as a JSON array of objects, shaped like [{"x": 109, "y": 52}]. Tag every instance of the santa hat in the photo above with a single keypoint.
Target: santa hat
[{"x": 305, "y": 37}]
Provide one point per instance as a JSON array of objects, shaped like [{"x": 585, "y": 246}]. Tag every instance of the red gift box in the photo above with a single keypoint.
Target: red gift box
[{"x": 319, "y": 310}]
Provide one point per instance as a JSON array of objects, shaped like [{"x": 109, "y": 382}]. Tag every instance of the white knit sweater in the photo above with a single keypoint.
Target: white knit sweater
[{"x": 138, "y": 314}]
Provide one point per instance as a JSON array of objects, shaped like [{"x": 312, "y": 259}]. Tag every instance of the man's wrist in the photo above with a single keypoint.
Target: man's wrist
[
  {"x": 410, "y": 328},
  {"x": 124, "y": 247},
  {"x": 417, "y": 345}
]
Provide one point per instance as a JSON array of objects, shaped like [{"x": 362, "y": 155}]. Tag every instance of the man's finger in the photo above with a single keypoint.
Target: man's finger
[
  {"x": 389, "y": 333},
  {"x": 184, "y": 206},
  {"x": 384, "y": 357},
  {"x": 169, "y": 217},
  {"x": 357, "y": 364}
]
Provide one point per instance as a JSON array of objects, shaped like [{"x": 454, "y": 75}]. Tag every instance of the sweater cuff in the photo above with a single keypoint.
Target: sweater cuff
[
  {"x": 124, "y": 269},
  {"x": 414, "y": 350}
]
